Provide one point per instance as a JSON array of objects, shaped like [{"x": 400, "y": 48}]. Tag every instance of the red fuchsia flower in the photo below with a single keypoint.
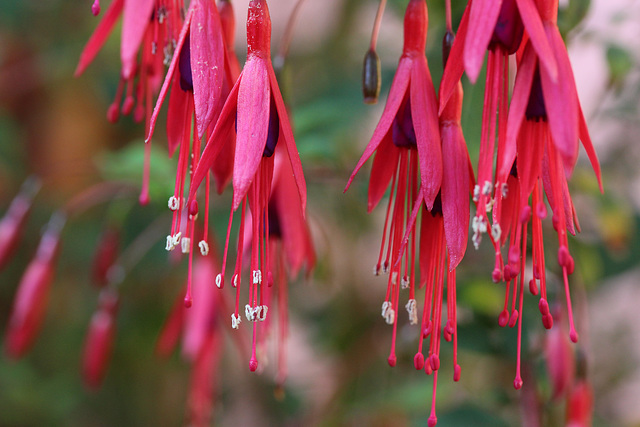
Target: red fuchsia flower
[
  {"x": 290, "y": 246},
  {"x": 195, "y": 76},
  {"x": 580, "y": 405},
  {"x": 106, "y": 254},
  {"x": 544, "y": 124},
  {"x": 14, "y": 220},
  {"x": 559, "y": 358},
  {"x": 406, "y": 143},
  {"x": 256, "y": 107},
  {"x": 99, "y": 340},
  {"x": 30, "y": 303},
  {"x": 149, "y": 31},
  {"x": 496, "y": 26},
  {"x": 443, "y": 241}
]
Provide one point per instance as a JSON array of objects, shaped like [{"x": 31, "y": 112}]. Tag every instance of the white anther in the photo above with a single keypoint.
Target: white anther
[
  {"x": 219, "y": 281},
  {"x": 234, "y": 282},
  {"x": 257, "y": 277},
  {"x": 174, "y": 203},
  {"x": 505, "y": 190},
  {"x": 413, "y": 312},
  {"x": 487, "y": 188},
  {"x": 489, "y": 205},
  {"x": 404, "y": 283},
  {"x": 249, "y": 313},
  {"x": 185, "y": 245},
  {"x": 476, "y": 193},
  {"x": 262, "y": 314},
  {"x": 388, "y": 313},
  {"x": 154, "y": 48},
  {"x": 235, "y": 321},
  {"x": 496, "y": 232},
  {"x": 385, "y": 267},
  {"x": 476, "y": 239},
  {"x": 176, "y": 238},
  {"x": 204, "y": 247},
  {"x": 170, "y": 246},
  {"x": 376, "y": 270}
]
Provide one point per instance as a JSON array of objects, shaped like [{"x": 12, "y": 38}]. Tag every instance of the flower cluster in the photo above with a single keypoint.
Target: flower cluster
[{"x": 536, "y": 133}]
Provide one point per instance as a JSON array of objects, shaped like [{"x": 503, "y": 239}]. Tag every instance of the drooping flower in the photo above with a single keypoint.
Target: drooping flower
[
  {"x": 290, "y": 247},
  {"x": 496, "y": 26},
  {"x": 196, "y": 74},
  {"x": 99, "y": 340},
  {"x": 256, "y": 108},
  {"x": 544, "y": 125},
  {"x": 107, "y": 250},
  {"x": 406, "y": 143},
  {"x": 149, "y": 31},
  {"x": 30, "y": 303},
  {"x": 14, "y": 220}
]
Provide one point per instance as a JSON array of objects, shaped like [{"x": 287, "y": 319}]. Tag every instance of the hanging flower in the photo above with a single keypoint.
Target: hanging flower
[
  {"x": 406, "y": 143},
  {"x": 256, "y": 108}
]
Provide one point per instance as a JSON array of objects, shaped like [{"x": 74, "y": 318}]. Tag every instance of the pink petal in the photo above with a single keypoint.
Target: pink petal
[
  {"x": 168, "y": 78},
  {"x": 482, "y": 21},
  {"x": 207, "y": 61},
  {"x": 254, "y": 99},
  {"x": 135, "y": 19},
  {"x": 287, "y": 133},
  {"x": 455, "y": 192},
  {"x": 530, "y": 152},
  {"x": 588, "y": 147},
  {"x": 424, "y": 110},
  {"x": 385, "y": 164},
  {"x": 396, "y": 96},
  {"x": 535, "y": 30},
  {"x": 561, "y": 101},
  {"x": 220, "y": 135},
  {"x": 99, "y": 36},
  {"x": 517, "y": 109}
]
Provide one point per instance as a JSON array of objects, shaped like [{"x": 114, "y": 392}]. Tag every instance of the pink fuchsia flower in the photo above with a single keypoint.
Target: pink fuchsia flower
[
  {"x": 30, "y": 303},
  {"x": 14, "y": 220},
  {"x": 497, "y": 27},
  {"x": 196, "y": 76},
  {"x": 406, "y": 143},
  {"x": 290, "y": 248},
  {"x": 98, "y": 345},
  {"x": 261, "y": 121}
]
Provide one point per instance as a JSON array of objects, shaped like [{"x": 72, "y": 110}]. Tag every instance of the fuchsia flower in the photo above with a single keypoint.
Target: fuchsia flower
[
  {"x": 149, "y": 30},
  {"x": 256, "y": 107},
  {"x": 406, "y": 142},
  {"x": 497, "y": 26},
  {"x": 30, "y": 303},
  {"x": 99, "y": 340},
  {"x": 409, "y": 124},
  {"x": 290, "y": 247},
  {"x": 196, "y": 76}
]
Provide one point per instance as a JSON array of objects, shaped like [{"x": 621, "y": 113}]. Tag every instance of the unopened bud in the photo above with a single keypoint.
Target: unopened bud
[{"x": 371, "y": 77}]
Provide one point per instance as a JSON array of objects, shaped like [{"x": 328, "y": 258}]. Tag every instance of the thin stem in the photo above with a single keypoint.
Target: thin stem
[{"x": 376, "y": 24}]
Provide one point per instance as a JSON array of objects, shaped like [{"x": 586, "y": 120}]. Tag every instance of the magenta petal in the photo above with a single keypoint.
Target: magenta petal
[
  {"x": 385, "y": 164},
  {"x": 218, "y": 137},
  {"x": 254, "y": 98},
  {"x": 169, "y": 77},
  {"x": 178, "y": 115},
  {"x": 99, "y": 36},
  {"x": 454, "y": 68},
  {"x": 424, "y": 110},
  {"x": 207, "y": 61},
  {"x": 535, "y": 30},
  {"x": 588, "y": 147},
  {"x": 561, "y": 101},
  {"x": 396, "y": 96},
  {"x": 455, "y": 192},
  {"x": 287, "y": 133},
  {"x": 135, "y": 19},
  {"x": 517, "y": 109},
  {"x": 482, "y": 21}
]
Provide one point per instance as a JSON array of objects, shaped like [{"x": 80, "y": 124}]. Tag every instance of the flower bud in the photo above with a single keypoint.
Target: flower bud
[{"x": 371, "y": 77}]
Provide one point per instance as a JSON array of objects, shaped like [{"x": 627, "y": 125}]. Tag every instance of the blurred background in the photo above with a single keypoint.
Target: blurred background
[{"x": 54, "y": 126}]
